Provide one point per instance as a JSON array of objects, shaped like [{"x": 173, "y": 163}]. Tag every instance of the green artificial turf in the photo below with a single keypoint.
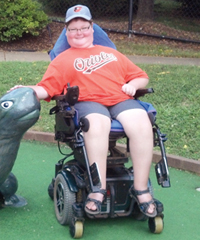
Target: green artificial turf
[{"x": 34, "y": 169}]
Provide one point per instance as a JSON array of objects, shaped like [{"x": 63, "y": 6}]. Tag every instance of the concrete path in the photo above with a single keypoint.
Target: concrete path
[
  {"x": 165, "y": 60},
  {"x": 24, "y": 56},
  {"x": 43, "y": 56}
]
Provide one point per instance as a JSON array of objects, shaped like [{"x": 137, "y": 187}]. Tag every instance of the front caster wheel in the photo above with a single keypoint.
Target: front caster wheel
[
  {"x": 76, "y": 230},
  {"x": 156, "y": 224}
]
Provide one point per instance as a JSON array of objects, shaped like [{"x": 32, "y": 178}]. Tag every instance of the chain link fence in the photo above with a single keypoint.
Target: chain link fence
[{"x": 167, "y": 19}]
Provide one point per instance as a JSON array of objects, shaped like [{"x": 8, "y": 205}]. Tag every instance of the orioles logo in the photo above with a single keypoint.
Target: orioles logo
[
  {"x": 77, "y": 9},
  {"x": 88, "y": 65}
]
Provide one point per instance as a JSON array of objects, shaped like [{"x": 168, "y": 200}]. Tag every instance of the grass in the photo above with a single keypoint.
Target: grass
[
  {"x": 146, "y": 49},
  {"x": 176, "y": 98}
]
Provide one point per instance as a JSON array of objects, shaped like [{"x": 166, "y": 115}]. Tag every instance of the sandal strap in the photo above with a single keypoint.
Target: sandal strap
[
  {"x": 145, "y": 206},
  {"x": 137, "y": 192},
  {"x": 97, "y": 202},
  {"x": 102, "y": 191},
  {"x": 141, "y": 192}
]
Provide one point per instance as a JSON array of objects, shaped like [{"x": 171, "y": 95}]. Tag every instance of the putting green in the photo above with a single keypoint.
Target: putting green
[{"x": 34, "y": 169}]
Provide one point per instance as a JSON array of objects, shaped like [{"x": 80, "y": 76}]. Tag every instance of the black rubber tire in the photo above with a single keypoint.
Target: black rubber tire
[{"x": 63, "y": 200}]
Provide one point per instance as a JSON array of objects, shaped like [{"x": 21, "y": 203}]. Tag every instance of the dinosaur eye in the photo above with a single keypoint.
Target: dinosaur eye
[{"x": 6, "y": 104}]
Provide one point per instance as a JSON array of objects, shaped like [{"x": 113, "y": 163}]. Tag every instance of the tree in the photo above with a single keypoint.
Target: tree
[{"x": 145, "y": 10}]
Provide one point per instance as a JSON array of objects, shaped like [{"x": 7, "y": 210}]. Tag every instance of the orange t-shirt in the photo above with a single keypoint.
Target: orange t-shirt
[{"x": 100, "y": 72}]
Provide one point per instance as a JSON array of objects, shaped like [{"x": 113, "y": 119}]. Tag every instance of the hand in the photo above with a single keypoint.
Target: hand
[
  {"x": 15, "y": 87},
  {"x": 129, "y": 89}
]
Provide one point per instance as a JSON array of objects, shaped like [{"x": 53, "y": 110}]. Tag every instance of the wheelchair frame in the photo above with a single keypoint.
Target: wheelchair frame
[{"x": 75, "y": 178}]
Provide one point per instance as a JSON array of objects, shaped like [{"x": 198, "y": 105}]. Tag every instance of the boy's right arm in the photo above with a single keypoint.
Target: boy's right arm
[{"x": 40, "y": 91}]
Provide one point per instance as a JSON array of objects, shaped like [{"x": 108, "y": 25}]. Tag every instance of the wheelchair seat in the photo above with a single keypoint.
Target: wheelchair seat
[
  {"x": 116, "y": 131},
  {"x": 116, "y": 126}
]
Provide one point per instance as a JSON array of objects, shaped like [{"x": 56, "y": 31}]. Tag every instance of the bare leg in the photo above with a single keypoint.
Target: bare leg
[
  {"x": 96, "y": 141},
  {"x": 139, "y": 131}
]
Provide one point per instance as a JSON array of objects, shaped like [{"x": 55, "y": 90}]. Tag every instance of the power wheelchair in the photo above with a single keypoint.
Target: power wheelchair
[{"x": 75, "y": 178}]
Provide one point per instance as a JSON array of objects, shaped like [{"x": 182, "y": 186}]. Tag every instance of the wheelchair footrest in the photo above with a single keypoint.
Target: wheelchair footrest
[
  {"x": 159, "y": 206},
  {"x": 78, "y": 210},
  {"x": 116, "y": 161}
]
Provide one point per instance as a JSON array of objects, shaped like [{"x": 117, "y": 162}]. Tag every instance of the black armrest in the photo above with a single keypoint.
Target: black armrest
[
  {"x": 71, "y": 97},
  {"x": 142, "y": 92},
  {"x": 59, "y": 97}
]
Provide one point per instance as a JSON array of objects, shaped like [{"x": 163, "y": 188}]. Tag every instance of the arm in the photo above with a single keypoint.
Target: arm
[
  {"x": 135, "y": 78},
  {"x": 40, "y": 91},
  {"x": 131, "y": 87}
]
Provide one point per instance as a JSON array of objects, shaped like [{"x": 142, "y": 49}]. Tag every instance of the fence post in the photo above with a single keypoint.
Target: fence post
[{"x": 130, "y": 18}]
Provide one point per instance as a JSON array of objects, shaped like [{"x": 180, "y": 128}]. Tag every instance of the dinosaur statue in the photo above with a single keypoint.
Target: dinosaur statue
[{"x": 19, "y": 110}]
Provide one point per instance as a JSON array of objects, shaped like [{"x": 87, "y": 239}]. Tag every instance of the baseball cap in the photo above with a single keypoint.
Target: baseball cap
[{"x": 78, "y": 11}]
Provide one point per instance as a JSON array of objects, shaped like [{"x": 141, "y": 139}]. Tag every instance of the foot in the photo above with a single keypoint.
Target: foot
[
  {"x": 94, "y": 201},
  {"x": 147, "y": 198},
  {"x": 144, "y": 201}
]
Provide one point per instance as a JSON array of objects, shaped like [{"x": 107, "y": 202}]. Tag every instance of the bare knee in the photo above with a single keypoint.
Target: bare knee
[
  {"x": 135, "y": 122},
  {"x": 98, "y": 124}
]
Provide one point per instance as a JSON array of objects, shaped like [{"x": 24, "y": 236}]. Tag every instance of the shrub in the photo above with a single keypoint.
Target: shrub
[{"x": 18, "y": 17}]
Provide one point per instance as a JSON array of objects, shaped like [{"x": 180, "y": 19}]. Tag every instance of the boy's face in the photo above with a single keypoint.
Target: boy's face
[{"x": 80, "y": 33}]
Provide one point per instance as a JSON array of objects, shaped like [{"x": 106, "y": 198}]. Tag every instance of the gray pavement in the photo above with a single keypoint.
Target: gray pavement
[
  {"x": 165, "y": 60},
  {"x": 43, "y": 56},
  {"x": 24, "y": 56}
]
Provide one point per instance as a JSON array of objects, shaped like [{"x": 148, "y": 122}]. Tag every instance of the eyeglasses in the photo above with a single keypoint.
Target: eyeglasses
[{"x": 75, "y": 30}]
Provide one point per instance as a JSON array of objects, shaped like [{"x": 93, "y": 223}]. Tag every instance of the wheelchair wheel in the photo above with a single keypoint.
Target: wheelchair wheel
[
  {"x": 156, "y": 224},
  {"x": 76, "y": 229},
  {"x": 63, "y": 200}
]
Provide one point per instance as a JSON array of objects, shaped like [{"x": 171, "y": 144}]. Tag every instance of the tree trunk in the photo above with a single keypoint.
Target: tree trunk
[{"x": 145, "y": 10}]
